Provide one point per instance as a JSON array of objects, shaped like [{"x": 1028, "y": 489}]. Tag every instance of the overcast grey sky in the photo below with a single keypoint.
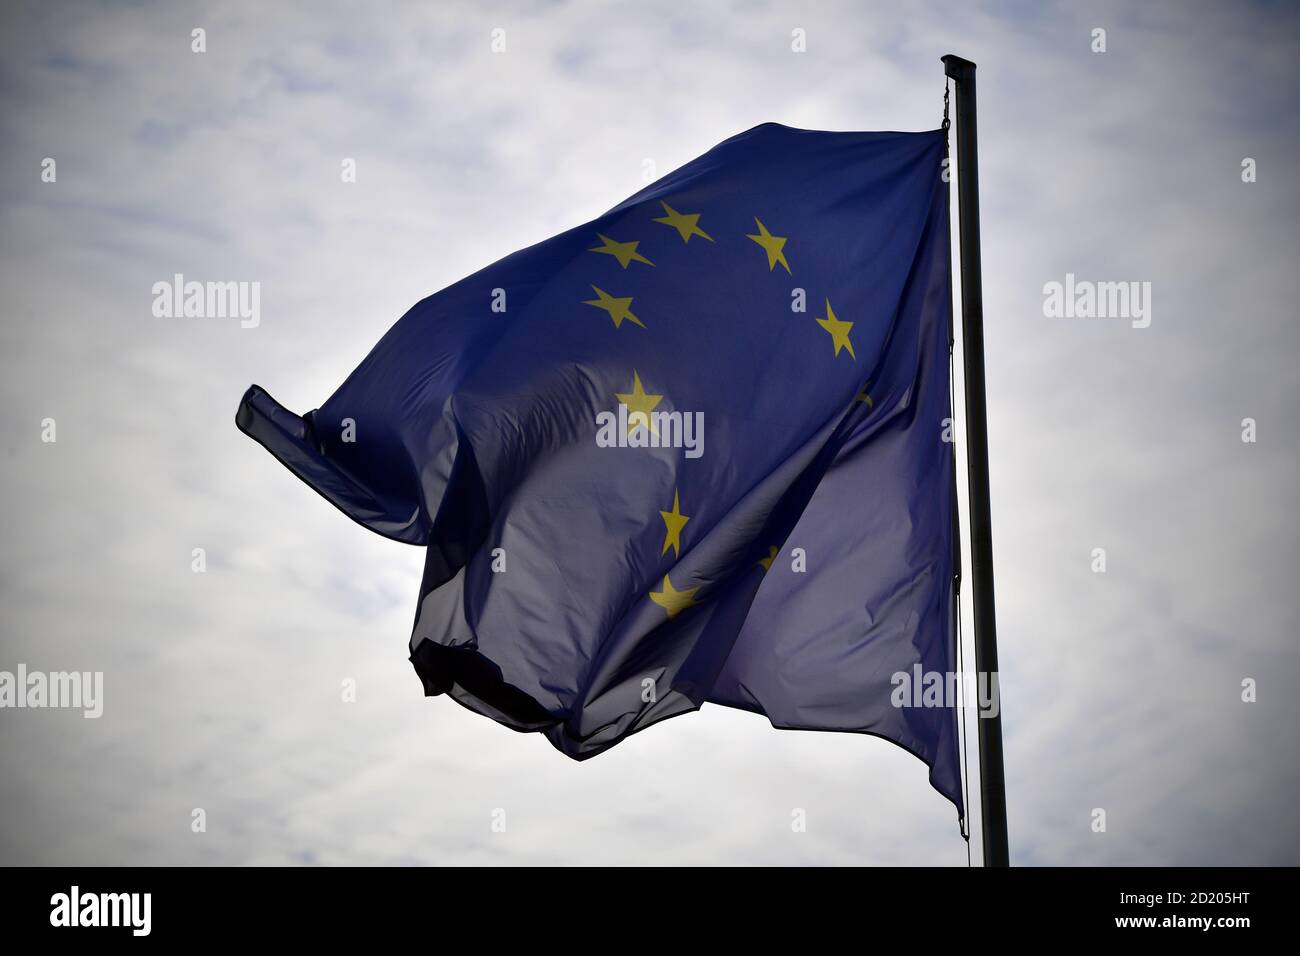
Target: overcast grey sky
[{"x": 1121, "y": 690}]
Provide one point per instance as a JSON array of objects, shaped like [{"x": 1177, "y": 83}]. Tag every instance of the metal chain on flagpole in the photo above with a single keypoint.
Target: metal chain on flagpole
[{"x": 946, "y": 124}]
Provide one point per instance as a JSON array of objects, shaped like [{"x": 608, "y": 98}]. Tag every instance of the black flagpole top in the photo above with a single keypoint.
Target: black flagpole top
[{"x": 957, "y": 68}]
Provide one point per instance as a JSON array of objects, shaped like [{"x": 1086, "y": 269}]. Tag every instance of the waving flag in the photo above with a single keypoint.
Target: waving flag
[{"x": 690, "y": 451}]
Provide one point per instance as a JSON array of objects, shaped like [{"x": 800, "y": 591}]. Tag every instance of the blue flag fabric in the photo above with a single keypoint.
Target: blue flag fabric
[{"x": 691, "y": 451}]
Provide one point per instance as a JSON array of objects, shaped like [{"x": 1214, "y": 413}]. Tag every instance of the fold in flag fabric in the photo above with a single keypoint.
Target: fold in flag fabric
[{"x": 693, "y": 450}]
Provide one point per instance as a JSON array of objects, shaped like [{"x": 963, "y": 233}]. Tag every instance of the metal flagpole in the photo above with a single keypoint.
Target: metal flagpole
[{"x": 993, "y": 797}]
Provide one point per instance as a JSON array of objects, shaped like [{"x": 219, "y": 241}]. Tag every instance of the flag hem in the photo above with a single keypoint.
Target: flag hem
[{"x": 292, "y": 441}]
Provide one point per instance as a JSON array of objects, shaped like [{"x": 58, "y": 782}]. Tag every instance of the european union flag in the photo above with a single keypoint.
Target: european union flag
[{"x": 691, "y": 451}]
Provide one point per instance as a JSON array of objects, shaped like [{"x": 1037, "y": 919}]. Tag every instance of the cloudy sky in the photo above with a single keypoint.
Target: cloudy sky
[{"x": 1122, "y": 691}]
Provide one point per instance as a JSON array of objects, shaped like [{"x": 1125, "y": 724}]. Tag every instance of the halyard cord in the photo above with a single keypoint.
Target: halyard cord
[
  {"x": 961, "y": 669},
  {"x": 961, "y": 657}
]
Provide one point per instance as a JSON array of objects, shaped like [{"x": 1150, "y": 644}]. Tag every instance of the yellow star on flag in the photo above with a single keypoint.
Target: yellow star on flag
[
  {"x": 618, "y": 308},
  {"x": 624, "y": 252},
  {"x": 839, "y": 331},
  {"x": 863, "y": 396},
  {"x": 771, "y": 556},
  {"x": 686, "y": 224},
  {"x": 674, "y": 521},
  {"x": 638, "y": 402},
  {"x": 774, "y": 246},
  {"x": 672, "y": 600}
]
